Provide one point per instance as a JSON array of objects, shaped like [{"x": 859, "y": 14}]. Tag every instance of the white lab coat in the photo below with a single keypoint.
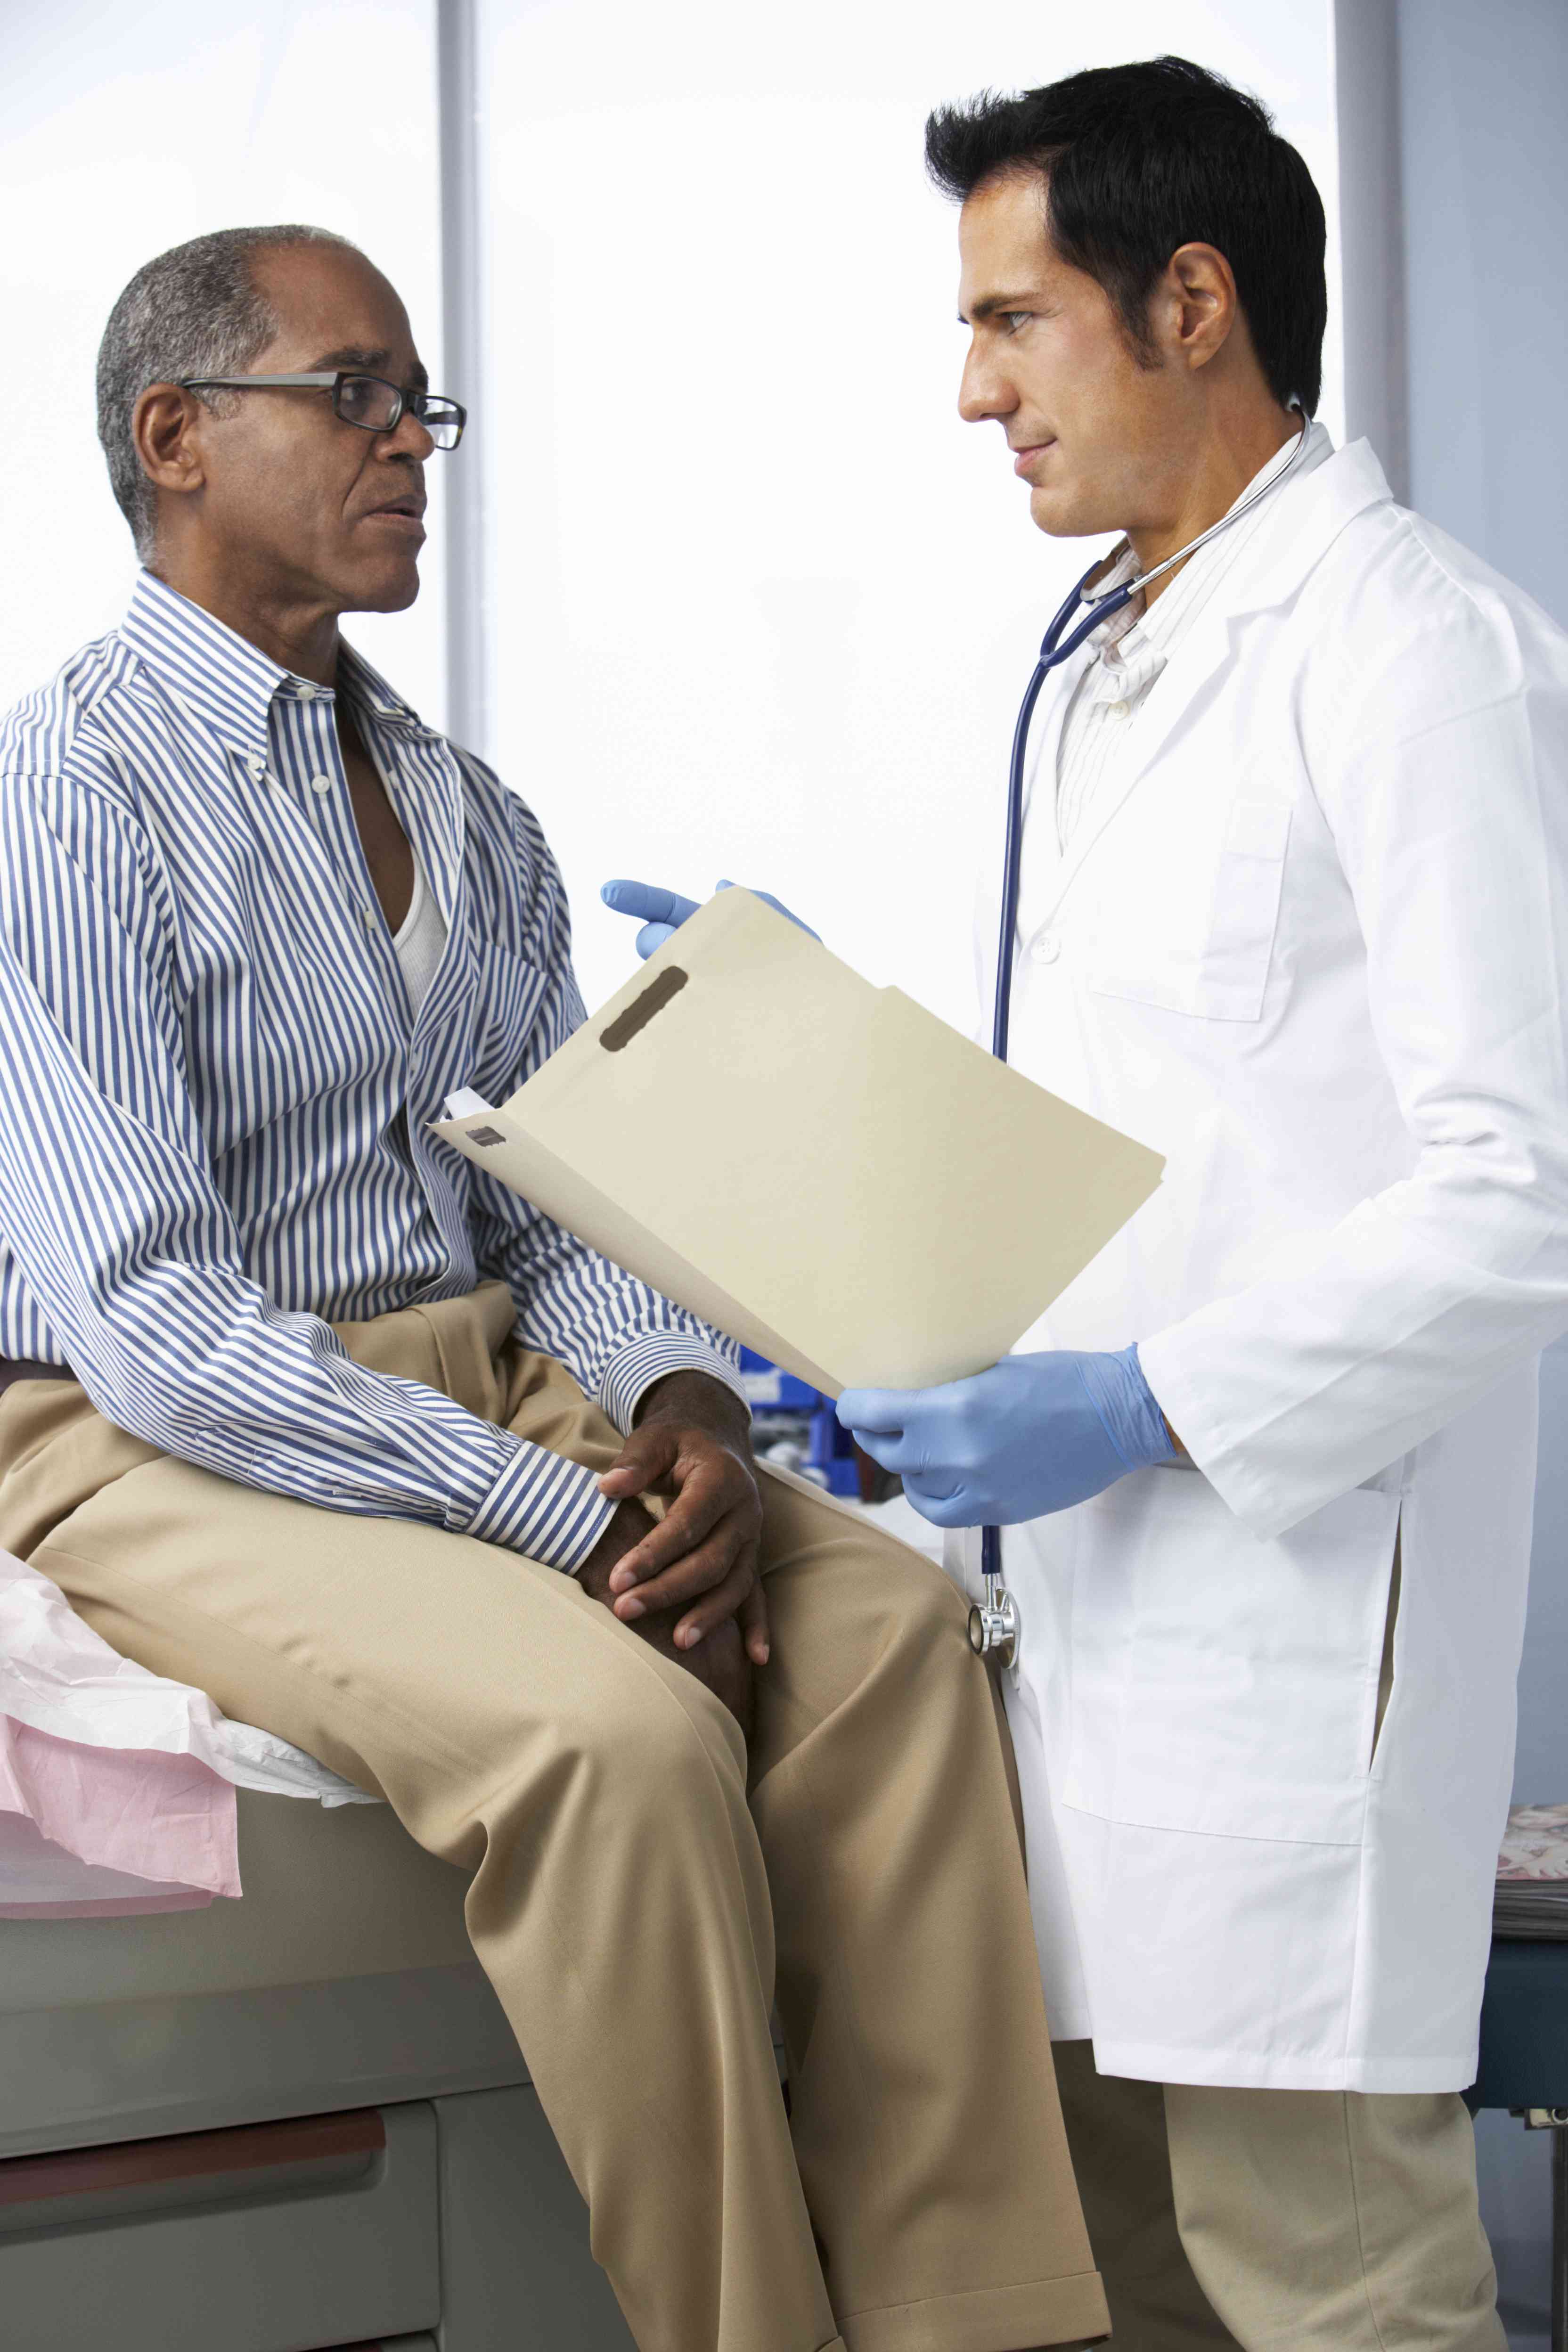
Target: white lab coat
[{"x": 1316, "y": 952}]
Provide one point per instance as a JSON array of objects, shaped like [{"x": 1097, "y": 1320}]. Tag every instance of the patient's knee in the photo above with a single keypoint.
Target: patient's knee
[
  {"x": 919, "y": 1596},
  {"x": 643, "y": 1763}
]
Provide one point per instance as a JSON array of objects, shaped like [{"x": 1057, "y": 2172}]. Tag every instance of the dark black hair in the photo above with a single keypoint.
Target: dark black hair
[{"x": 1138, "y": 159}]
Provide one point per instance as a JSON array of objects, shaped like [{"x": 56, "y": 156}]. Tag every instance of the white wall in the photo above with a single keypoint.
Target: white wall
[
  {"x": 764, "y": 606},
  {"x": 125, "y": 131}
]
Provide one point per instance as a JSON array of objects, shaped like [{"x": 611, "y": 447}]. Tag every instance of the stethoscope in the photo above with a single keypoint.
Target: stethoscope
[{"x": 994, "y": 1622}]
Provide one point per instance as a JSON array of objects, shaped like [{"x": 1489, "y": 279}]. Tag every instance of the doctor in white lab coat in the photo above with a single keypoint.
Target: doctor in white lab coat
[{"x": 1294, "y": 912}]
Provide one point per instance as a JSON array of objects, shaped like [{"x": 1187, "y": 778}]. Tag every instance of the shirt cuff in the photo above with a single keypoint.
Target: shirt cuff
[
  {"x": 630, "y": 1375},
  {"x": 543, "y": 1506}
]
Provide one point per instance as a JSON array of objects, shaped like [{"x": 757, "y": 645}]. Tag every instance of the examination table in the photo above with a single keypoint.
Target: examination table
[{"x": 292, "y": 2122}]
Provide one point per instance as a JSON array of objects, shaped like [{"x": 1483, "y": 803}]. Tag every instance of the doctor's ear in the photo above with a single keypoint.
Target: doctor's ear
[{"x": 1194, "y": 310}]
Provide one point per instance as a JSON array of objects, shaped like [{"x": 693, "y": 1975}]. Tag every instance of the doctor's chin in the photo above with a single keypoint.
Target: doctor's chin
[{"x": 808, "y": 1626}]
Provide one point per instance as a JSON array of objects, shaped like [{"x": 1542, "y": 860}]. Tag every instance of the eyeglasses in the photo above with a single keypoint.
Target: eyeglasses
[{"x": 367, "y": 401}]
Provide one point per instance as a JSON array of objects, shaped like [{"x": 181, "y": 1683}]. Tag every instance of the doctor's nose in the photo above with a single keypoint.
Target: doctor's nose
[{"x": 983, "y": 393}]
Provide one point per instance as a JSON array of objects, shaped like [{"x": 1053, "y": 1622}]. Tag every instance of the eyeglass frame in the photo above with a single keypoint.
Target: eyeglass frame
[{"x": 406, "y": 401}]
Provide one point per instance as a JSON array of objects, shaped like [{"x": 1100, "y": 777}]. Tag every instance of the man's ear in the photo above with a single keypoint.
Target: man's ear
[
  {"x": 1198, "y": 303},
  {"x": 166, "y": 427}
]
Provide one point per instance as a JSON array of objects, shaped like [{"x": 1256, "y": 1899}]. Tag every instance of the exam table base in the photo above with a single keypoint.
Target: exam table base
[
  {"x": 450, "y": 2224},
  {"x": 296, "y": 2122}
]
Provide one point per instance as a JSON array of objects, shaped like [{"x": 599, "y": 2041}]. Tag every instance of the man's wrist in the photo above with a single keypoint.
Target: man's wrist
[
  {"x": 698, "y": 1401},
  {"x": 654, "y": 1356}
]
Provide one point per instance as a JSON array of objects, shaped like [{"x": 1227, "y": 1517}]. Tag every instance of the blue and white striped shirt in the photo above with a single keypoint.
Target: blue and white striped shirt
[{"x": 217, "y": 1096}]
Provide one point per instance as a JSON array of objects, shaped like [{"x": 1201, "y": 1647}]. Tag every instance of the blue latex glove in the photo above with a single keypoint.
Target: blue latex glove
[
  {"x": 1035, "y": 1434},
  {"x": 662, "y": 912}
]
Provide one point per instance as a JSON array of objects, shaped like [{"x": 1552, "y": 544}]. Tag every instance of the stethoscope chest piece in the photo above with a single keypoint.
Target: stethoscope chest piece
[{"x": 993, "y": 1626}]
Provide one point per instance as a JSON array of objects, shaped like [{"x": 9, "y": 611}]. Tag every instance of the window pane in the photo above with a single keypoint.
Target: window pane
[
  {"x": 736, "y": 516},
  {"x": 120, "y": 137}
]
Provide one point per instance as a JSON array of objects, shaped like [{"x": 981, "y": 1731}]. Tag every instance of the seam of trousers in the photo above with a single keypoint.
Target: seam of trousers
[
  {"x": 1355, "y": 2209},
  {"x": 799, "y": 1759},
  {"x": 972, "y": 2295}
]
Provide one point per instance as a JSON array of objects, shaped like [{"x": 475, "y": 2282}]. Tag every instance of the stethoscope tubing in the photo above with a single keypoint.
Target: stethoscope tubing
[{"x": 1054, "y": 651}]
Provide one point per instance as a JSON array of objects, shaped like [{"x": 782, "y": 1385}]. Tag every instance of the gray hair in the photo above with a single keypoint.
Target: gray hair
[{"x": 196, "y": 311}]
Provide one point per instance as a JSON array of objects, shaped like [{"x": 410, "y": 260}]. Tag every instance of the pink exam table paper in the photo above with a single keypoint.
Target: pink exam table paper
[
  {"x": 117, "y": 1787},
  {"x": 110, "y": 1830}
]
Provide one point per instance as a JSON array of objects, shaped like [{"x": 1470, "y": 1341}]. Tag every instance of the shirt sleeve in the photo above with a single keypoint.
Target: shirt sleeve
[
  {"x": 1444, "y": 777},
  {"x": 614, "y": 1335},
  {"x": 109, "y": 1208}
]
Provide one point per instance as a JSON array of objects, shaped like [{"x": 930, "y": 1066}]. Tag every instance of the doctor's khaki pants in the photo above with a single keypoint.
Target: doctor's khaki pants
[
  {"x": 1280, "y": 2220},
  {"x": 640, "y": 1889}
]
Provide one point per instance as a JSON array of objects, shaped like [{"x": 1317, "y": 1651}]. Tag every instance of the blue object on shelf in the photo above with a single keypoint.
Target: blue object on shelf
[
  {"x": 771, "y": 1390},
  {"x": 830, "y": 1460}
]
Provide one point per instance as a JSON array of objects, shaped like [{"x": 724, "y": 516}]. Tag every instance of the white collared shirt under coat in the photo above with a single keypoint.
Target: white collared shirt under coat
[{"x": 1312, "y": 946}]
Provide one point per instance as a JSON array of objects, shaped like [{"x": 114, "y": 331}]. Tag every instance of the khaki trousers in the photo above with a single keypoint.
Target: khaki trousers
[
  {"x": 640, "y": 1888},
  {"x": 1280, "y": 2220}
]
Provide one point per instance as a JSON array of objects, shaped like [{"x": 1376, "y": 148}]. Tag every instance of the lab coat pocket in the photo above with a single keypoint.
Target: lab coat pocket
[
  {"x": 1221, "y": 1683},
  {"x": 1208, "y": 952}
]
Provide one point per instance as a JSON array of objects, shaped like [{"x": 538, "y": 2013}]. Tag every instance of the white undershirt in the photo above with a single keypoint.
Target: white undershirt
[
  {"x": 420, "y": 939},
  {"x": 1133, "y": 647}
]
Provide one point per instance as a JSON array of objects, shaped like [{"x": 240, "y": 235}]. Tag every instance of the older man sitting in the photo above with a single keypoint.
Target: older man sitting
[{"x": 355, "y": 1440}]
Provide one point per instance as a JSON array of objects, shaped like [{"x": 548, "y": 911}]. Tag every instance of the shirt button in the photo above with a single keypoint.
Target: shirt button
[
  {"x": 320, "y": 783},
  {"x": 1120, "y": 710},
  {"x": 1047, "y": 947},
  {"x": 367, "y": 917},
  {"x": 256, "y": 765},
  {"x": 307, "y": 693}
]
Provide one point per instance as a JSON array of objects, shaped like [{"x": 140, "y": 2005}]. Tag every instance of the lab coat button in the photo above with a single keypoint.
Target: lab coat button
[{"x": 1047, "y": 947}]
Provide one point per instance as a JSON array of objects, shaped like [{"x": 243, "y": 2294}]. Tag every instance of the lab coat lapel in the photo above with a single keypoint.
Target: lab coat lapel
[
  {"x": 1171, "y": 700},
  {"x": 1306, "y": 520}
]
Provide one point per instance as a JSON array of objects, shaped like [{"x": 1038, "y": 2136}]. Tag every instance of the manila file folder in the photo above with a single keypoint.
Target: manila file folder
[{"x": 821, "y": 1168}]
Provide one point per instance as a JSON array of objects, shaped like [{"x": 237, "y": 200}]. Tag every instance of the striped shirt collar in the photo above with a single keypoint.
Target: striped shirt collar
[{"x": 226, "y": 680}]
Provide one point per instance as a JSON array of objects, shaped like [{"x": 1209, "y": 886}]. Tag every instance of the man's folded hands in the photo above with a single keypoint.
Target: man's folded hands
[{"x": 688, "y": 1582}]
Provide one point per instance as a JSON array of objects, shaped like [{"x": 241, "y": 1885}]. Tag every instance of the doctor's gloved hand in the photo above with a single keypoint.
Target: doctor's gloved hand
[
  {"x": 662, "y": 912},
  {"x": 1033, "y": 1434}
]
